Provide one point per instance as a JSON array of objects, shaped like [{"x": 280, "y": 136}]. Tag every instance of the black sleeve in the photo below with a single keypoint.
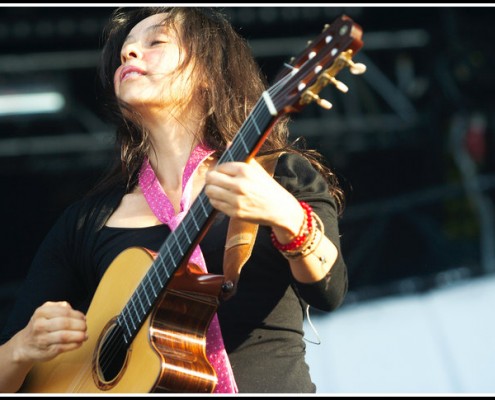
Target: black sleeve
[
  {"x": 51, "y": 276},
  {"x": 299, "y": 177},
  {"x": 61, "y": 269}
]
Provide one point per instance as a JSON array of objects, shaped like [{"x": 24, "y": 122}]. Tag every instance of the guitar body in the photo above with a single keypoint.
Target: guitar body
[{"x": 168, "y": 354}]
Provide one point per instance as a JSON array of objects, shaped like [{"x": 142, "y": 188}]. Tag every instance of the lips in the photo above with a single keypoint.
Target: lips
[{"x": 130, "y": 71}]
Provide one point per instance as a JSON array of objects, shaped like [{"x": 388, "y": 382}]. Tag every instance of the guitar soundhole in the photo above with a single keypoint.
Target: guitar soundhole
[{"x": 111, "y": 357}]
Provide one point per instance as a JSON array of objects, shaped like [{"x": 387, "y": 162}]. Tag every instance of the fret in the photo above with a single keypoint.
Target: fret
[
  {"x": 128, "y": 317},
  {"x": 200, "y": 200},
  {"x": 244, "y": 144},
  {"x": 178, "y": 244},
  {"x": 151, "y": 282},
  {"x": 258, "y": 130},
  {"x": 135, "y": 311},
  {"x": 147, "y": 298},
  {"x": 153, "y": 267},
  {"x": 228, "y": 154},
  {"x": 139, "y": 297},
  {"x": 187, "y": 236},
  {"x": 169, "y": 253},
  {"x": 122, "y": 317},
  {"x": 194, "y": 220}
]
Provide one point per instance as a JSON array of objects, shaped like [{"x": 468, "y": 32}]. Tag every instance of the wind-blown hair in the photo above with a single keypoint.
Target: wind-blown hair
[{"x": 229, "y": 79}]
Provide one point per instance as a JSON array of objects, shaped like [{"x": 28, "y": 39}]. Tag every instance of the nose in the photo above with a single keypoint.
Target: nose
[{"x": 130, "y": 50}]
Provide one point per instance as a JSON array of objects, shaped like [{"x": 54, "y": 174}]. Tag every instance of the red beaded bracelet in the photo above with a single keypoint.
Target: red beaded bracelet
[{"x": 304, "y": 232}]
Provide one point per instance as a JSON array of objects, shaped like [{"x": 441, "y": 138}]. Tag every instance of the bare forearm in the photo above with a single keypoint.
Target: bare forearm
[
  {"x": 54, "y": 328},
  {"x": 314, "y": 266},
  {"x": 14, "y": 370}
]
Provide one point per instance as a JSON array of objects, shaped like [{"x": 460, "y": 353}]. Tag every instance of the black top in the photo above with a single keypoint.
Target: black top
[{"x": 262, "y": 324}]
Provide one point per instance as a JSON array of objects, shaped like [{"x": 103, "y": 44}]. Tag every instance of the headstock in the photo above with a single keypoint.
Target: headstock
[{"x": 300, "y": 82}]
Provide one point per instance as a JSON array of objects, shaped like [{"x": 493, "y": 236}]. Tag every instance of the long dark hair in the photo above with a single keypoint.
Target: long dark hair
[{"x": 227, "y": 69}]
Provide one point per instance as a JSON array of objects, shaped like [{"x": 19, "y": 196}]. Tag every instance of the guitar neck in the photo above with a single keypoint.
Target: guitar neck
[{"x": 181, "y": 242}]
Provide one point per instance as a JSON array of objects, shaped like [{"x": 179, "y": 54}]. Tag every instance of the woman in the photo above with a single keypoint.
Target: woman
[{"x": 181, "y": 82}]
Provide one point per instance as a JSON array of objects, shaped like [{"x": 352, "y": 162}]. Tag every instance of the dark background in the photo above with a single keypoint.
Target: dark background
[{"x": 412, "y": 141}]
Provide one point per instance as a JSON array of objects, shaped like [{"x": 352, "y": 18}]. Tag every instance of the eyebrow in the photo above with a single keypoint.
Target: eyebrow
[{"x": 154, "y": 28}]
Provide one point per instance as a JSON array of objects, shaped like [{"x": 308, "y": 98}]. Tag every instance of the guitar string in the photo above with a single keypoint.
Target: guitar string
[{"x": 84, "y": 375}]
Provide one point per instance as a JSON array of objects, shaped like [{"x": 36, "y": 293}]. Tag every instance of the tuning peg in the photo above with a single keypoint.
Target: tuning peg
[
  {"x": 325, "y": 27},
  {"x": 338, "y": 84},
  {"x": 356, "y": 68},
  {"x": 321, "y": 102}
]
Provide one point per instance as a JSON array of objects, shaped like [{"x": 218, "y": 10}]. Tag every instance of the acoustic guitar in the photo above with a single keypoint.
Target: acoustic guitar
[{"x": 147, "y": 324}]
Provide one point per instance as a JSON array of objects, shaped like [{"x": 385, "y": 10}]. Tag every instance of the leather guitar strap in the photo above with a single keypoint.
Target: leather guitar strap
[{"x": 241, "y": 236}]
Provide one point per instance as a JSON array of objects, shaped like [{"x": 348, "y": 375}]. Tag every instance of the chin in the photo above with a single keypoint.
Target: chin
[{"x": 133, "y": 98}]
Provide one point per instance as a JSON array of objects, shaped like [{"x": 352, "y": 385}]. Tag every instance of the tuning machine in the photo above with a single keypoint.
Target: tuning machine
[
  {"x": 309, "y": 96},
  {"x": 356, "y": 68},
  {"x": 326, "y": 78}
]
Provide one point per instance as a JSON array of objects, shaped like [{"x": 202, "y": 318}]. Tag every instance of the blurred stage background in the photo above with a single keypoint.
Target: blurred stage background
[{"x": 412, "y": 142}]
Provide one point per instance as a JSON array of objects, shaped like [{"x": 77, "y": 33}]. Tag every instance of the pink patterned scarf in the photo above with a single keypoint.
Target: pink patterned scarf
[{"x": 164, "y": 211}]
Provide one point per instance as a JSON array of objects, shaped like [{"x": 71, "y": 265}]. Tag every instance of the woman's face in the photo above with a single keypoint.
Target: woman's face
[{"x": 149, "y": 56}]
